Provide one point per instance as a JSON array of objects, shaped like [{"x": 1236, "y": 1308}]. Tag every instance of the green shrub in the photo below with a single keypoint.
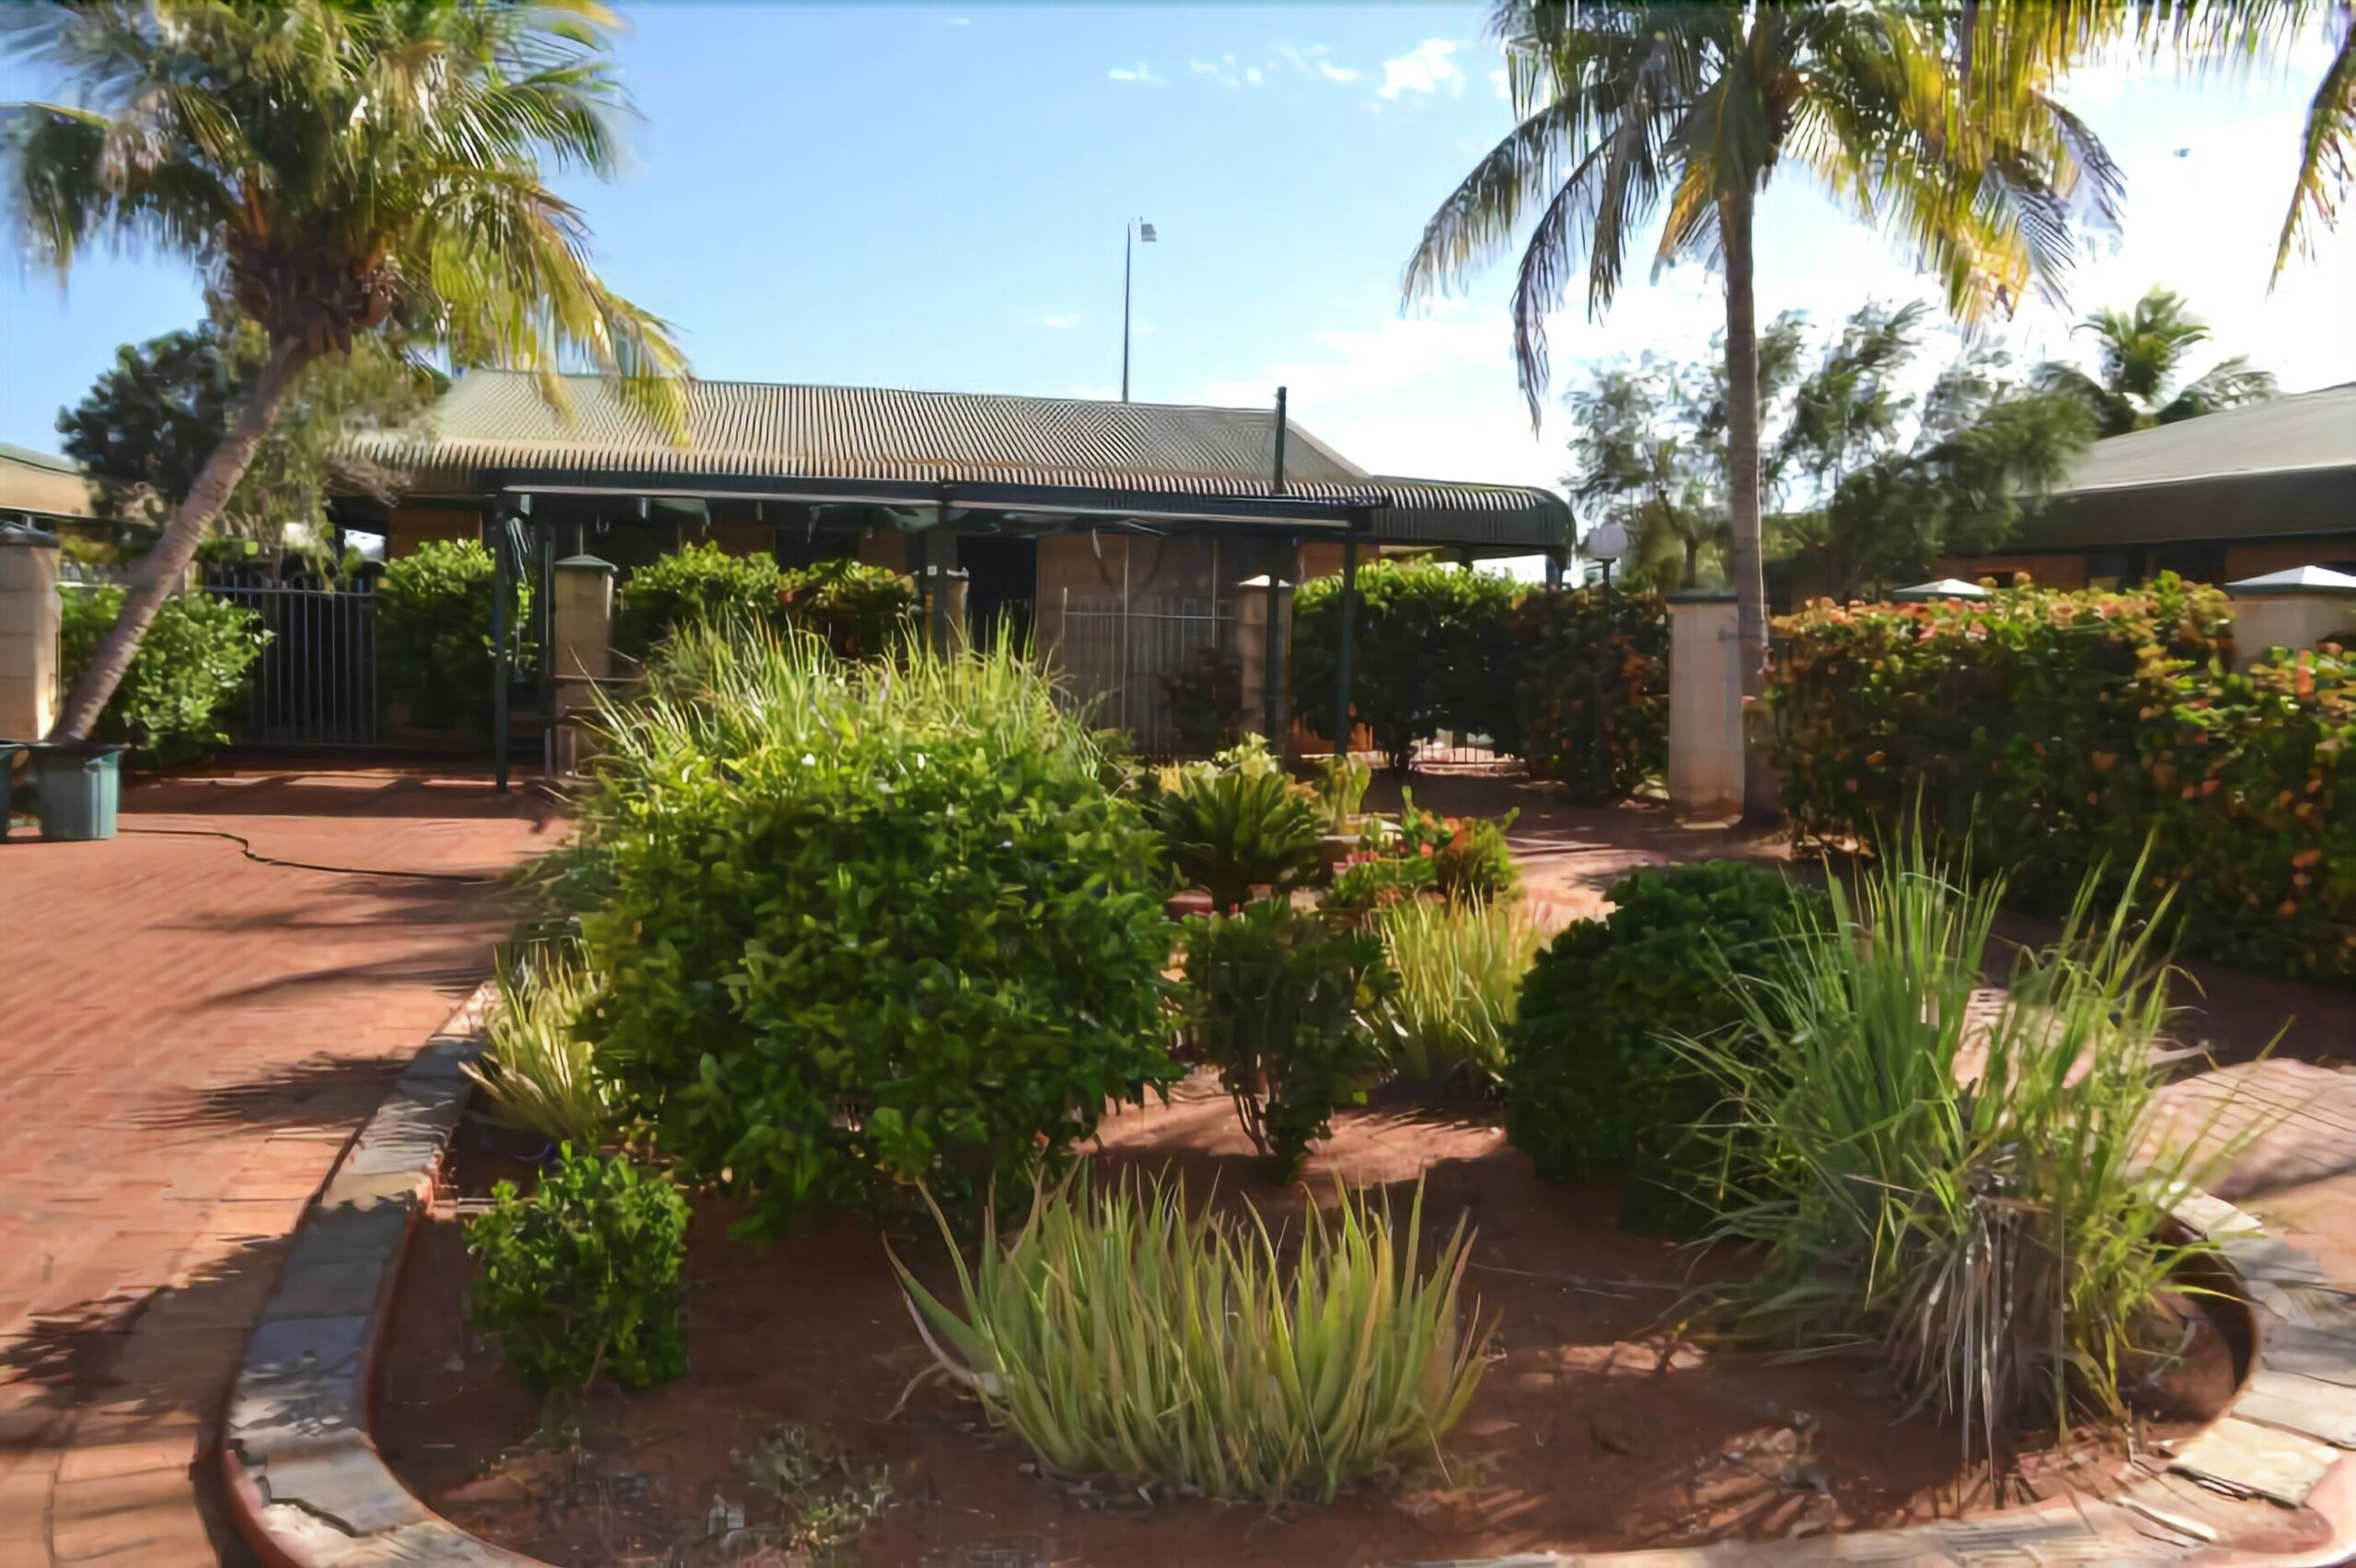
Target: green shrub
[
  {"x": 700, "y": 582},
  {"x": 1591, "y": 1078},
  {"x": 1570, "y": 644},
  {"x": 1434, "y": 647},
  {"x": 867, "y": 923},
  {"x": 1973, "y": 1198},
  {"x": 1459, "y": 965},
  {"x": 1369, "y": 880},
  {"x": 540, "y": 1072},
  {"x": 861, "y": 611},
  {"x": 1470, "y": 855},
  {"x": 2057, "y": 733},
  {"x": 1283, "y": 1004},
  {"x": 193, "y": 665},
  {"x": 1120, "y": 1338},
  {"x": 434, "y": 631},
  {"x": 1237, "y": 823},
  {"x": 582, "y": 1276}
]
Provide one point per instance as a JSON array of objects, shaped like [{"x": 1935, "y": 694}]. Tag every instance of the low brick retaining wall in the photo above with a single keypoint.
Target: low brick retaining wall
[{"x": 309, "y": 1489}]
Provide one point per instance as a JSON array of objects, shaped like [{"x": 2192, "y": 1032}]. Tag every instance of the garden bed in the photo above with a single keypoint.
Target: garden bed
[{"x": 1594, "y": 1429}]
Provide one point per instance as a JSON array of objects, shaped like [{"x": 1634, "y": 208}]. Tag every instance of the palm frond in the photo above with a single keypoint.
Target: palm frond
[{"x": 2327, "y": 151}]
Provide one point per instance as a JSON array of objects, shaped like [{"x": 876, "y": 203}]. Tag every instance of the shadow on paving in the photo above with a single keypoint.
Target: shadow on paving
[
  {"x": 322, "y": 1089},
  {"x": 148, "y": 1369},
  {"x": 328, "y": 793}
]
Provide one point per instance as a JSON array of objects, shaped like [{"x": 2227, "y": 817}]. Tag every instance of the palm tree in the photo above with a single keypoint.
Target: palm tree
[
  {"x": 333, "y": 168},
  {"x": 2142, "y": 353},
  {"x": 1935, "y": 129}
]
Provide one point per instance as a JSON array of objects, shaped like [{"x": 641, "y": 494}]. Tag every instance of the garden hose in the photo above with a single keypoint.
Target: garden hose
[{"x": 246, "y": 847}]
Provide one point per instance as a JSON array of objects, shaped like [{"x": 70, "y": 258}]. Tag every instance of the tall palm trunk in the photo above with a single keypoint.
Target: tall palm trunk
[
  {"x": 1744, "y": 563},
  {"x": 158, "y": 571}
]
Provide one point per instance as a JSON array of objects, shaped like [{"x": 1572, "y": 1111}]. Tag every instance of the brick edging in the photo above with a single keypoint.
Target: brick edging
[{"x": 308, "y": 1488}]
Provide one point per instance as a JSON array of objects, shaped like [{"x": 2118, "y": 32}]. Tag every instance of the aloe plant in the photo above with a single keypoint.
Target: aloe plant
[{"x": 1459, "y": 964}]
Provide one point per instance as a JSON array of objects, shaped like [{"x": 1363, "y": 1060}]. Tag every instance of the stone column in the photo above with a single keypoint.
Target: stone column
[
  {"x": 2296, "y": 609},
  {"x": 1704, "y": 709},
  {"x": 29, "y": 622},
  {"x": 581, "y": 631}
]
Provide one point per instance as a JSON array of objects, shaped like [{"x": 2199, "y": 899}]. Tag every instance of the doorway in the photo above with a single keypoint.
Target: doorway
[{"x": 1001, "y": 586}]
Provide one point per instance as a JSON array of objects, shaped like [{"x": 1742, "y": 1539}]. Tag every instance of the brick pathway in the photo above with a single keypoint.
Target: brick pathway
[{"x": 187, "y": 1040}]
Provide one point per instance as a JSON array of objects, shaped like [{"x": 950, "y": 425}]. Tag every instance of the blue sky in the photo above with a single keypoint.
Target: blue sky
[{"x": 934, "y": 197}]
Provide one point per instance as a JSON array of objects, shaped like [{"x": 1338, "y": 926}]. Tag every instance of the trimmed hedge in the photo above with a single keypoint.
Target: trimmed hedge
[
  {"x": 2059, "y": 731},
  {"x": 859, "y": 610}
]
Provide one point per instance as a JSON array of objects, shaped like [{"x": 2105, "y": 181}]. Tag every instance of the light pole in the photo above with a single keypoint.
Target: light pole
[
  {"x": 1133, "y": 232},
  {"x": 1604, "y": 544}
]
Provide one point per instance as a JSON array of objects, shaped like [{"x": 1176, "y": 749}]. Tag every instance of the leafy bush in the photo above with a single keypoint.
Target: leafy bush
[
  {"x": 1470, "y": 855},
  {"x": 1433, "y": 648},
  {"x": 540, "y": 1073},
  {"x": 1369, "y": 880},
  {"x": 1973, "y": 1198},
  {"x": 1459, "y": 965},
  {"x": 1282, "y": 1003},
  {"x": 1591, "y": 1078},
  {"x": 1120, "y": 1338},
  {"x": 583, "y": 1275},
  {"x": 1570, "y": 644},
  {"x": 861, "y": 611},
  {"x": 700, "y": 582},
  {"x": 434, "y": 631},
  {"x": 2056, "y": 732},
  {"x": 192, "y": 665},
  {"x": 867, "y": 923},
  {"x": 1237, "y": 823}
]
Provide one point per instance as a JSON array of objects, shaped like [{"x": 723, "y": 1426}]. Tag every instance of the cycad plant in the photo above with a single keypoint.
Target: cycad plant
[
  {"x": 1120, "y": 1337},
  {"x": 1239, "y": 822},
  {"x": 1965, "y": 1191},
  {"x": 332, "y": 168}
]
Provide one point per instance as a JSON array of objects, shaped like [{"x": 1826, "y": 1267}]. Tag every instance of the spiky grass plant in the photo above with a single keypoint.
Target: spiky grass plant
[
  {"x": 541, "y": 1074},
  {"x": 1120, "y": 1338},
  {"x": 1968, "y": 1193},
  {"x": 1459, "y": 964}
]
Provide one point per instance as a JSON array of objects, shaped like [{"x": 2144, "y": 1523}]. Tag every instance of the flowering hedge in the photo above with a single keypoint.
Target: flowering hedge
[
  {"x": 2062, "y": 731},
  {"x": 1569, "y": 643}
]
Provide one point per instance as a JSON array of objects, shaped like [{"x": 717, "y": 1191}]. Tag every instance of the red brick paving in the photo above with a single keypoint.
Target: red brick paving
[{"x": 187, "y": 1040}]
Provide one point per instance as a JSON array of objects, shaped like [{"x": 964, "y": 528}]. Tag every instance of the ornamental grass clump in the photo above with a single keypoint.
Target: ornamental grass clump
[
  {"x": 1964, "y": 1192},
  {"x": 540, "y": 1073},
  {"x": 866, "y": 924},
  {"x": 1121, "y": 1338},
  {"x": 1459, "y": 965}
]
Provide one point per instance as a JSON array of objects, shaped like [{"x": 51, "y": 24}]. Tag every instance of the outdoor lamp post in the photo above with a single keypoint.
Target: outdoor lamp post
[
  {"x": 1132, "y": 233},
  {"x": 1604, "y": 544}
]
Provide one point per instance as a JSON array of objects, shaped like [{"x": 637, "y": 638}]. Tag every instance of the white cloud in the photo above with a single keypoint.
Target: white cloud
[
  {"x": 1427, "y": 69},
  {"x": 1140, "y": 73},
  {"x": 1333, "y": 73},
  {"x": 1498, "y": 81},
  {"x": 956, "y": 21},
  {"x": 1060, "y": 323},
  {"x": 1224, "y": 70}
]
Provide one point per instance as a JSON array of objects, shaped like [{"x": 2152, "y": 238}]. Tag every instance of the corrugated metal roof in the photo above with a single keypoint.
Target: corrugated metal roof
[
  {"x": 499, "y": 423},
  {"x": 43, "y": 484},
  {"x": 2308, "y": 431}
]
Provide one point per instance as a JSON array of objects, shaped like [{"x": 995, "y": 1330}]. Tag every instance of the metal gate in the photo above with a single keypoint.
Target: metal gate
[
  {"x": 1148, "y": 665},
  {"x": 315, "y": 683}
]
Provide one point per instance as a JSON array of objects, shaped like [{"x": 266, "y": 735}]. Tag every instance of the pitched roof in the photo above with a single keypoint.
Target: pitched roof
[
  {"x": 498, "y": 424},
  {"x": 43, "y": 484},
  {"x": 2304, "y": 432}
]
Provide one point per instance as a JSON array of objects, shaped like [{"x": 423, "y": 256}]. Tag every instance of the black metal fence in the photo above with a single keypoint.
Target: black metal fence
[{"x": 316, "y": 683}]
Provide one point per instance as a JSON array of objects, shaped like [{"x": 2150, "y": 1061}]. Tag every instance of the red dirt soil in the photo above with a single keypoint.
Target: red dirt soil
[{"x": 1593, "y": 1429}]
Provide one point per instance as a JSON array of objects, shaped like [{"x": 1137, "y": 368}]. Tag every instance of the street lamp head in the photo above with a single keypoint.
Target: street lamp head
[
  {"x": 1605, "y": 543},
  {"x": 1145, "y": 231}
]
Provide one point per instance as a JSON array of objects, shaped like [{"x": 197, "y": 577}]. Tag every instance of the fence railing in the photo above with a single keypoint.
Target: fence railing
[
  {"x": 316, "y": 683},
  {"x": 1155, "y": 666}
]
